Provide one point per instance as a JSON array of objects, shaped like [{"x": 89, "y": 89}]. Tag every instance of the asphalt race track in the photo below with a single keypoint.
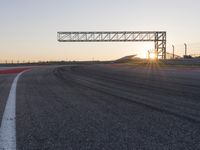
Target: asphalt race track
[{"x": 105, "y": 107}]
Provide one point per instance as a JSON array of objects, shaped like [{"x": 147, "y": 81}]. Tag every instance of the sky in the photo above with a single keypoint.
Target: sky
[{"x": 28, "y": 28}]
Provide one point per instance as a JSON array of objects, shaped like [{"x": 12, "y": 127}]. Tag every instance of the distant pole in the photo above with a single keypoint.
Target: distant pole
[
  {"x": 185, "y": 49},
  {"x": 156, "y": 53},
  {"x": 173, "y": 51}
]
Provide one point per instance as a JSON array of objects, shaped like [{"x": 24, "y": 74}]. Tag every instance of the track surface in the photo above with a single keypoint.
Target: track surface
[{"x": 106, "y": 107}]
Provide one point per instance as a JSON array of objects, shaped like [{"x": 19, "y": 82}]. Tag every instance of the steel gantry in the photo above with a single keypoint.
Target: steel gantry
[{"x": 158, "y": 37}]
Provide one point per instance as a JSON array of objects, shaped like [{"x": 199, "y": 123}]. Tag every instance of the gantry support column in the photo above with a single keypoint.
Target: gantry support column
[{"x": 160, "y": 44}]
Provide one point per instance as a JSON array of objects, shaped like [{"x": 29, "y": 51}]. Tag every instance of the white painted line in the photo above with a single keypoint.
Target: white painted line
[{"x": 8, "y": 124}]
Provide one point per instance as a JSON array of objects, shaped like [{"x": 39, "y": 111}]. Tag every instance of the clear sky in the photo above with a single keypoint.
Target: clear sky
[{"x": 28, "y": 27}]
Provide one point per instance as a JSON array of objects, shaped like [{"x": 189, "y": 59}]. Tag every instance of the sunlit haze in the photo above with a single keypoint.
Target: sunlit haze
[{"x": 28, "y": 28}]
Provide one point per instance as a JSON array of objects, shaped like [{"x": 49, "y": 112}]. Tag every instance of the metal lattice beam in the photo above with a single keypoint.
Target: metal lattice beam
[{"x": 159, "y": 38}]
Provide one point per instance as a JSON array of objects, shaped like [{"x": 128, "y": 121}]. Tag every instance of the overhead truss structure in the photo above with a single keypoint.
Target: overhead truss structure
[{"x": 158, "y": 37}]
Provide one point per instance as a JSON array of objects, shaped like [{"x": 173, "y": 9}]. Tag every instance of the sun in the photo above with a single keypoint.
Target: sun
[
  {"x": 152, "y": 56},
  {"x": 143, "y": 49}
]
